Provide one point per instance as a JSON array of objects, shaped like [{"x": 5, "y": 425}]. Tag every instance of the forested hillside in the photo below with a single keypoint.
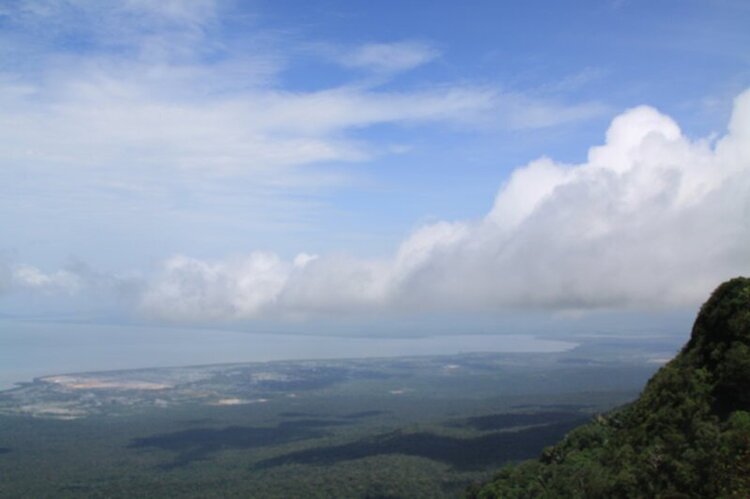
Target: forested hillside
[{"x": 688, "y": 435}]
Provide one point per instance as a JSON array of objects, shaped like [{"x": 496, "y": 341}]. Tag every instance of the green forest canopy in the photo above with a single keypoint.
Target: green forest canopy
[{"x": 688, "y": 435}]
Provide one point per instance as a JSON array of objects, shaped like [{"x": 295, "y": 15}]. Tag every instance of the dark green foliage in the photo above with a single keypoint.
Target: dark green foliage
[
  {"x": 511, "y": 420},
  {"x": 462, "y": 453},
  {"x": 353, "y": 438},
  {"x": 688, "y": 435},
  {"x": 200, "y": 443}
]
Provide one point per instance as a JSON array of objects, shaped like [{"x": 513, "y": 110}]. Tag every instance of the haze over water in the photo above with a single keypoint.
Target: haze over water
[{"x": 29, "y": 350}]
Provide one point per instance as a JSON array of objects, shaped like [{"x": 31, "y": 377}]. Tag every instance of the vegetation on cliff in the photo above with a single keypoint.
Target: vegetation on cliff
[{"x": 688, "y": 435}]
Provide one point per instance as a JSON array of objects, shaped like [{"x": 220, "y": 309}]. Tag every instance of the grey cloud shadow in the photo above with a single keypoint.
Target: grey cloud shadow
[
  {"x": 461, "y": 453},
  {"x": 199, "y": 444}
]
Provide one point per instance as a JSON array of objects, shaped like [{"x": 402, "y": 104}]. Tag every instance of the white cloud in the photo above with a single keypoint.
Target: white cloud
[
  {"x": 196, "y": 290},
  {"x": 136, "y": 117},
  {"x": 652, "y": 219},
  {"x": 153, "y": 87},
  {"x": 302, "y": 259},
  {"x": 170, "y": 25},
  {"x": 129, "y": 117},
  {"x": 388, "y": 57},
  {"x": 524, "y": 112},
  {"x": 151, "y": 101},
  {"x": 31, "y": 278}
]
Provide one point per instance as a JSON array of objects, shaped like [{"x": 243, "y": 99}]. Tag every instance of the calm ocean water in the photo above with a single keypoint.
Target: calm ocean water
[{"x": 29, "y": 350}]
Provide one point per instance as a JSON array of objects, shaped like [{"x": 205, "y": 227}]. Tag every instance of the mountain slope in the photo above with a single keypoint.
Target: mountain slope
[{"x": 688, "y": 435}]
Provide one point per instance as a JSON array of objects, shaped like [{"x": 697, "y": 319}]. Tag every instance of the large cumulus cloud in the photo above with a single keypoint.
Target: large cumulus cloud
[{"x": 651, "y": 219}]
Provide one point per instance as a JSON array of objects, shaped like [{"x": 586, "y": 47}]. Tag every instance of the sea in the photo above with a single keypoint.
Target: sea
[{"x": 34, "y": 349}]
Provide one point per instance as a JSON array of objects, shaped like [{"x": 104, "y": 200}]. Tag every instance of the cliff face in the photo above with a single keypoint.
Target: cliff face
[{"x": 687, "y": 435}]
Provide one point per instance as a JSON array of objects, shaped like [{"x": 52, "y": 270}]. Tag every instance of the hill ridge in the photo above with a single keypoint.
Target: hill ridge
[{"x": 687, "y": 435}]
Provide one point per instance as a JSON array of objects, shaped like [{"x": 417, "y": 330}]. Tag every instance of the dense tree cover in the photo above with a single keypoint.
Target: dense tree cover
[
  {"x": 688, "y": 435},
  {"x": 350, "y": 439}
]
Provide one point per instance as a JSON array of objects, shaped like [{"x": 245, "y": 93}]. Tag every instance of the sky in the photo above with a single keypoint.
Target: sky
[{"x": 372, "y": 168}]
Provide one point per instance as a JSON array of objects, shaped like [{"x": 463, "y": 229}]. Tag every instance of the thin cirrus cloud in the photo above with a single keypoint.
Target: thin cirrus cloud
[
  {"x": 652, "y": 219},
  {"x": 151, "y": 86},
  {"x": 386, "y": 57},
  {"x": 129, "y": 115}
]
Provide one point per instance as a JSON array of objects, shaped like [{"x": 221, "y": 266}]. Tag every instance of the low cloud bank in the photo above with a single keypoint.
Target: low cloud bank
[{"x": 652, "y": 219}]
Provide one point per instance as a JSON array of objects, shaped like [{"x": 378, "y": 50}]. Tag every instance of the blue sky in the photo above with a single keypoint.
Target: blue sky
[{"x": 256, "y": 163}]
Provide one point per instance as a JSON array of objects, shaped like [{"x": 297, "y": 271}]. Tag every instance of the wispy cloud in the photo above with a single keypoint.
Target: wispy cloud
[
  {"x": 103, "y": 117},
  {"x": 387, "y": 57},
  {"x": 116, "y": 100},
  {"x": 28, "y": 277}
]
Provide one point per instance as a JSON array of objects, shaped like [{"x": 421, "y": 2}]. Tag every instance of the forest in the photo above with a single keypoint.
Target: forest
[{"x": 687, "y": 435}]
